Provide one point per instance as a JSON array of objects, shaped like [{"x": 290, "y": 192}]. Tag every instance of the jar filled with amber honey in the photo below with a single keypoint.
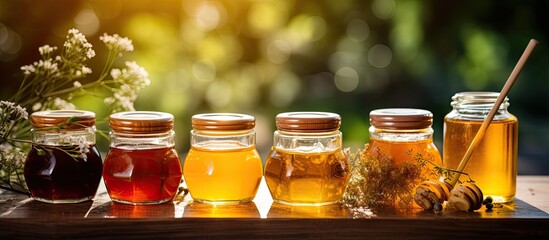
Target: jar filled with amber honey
[
  {"x": 63, "y": 165},
  {"x": 493, "y": 164},
  {"x": 223, "y": 165},
  {"x": 402, "y": 149},
  {"x": 142, "y": 166},
  {"x": 306, "y": 165}
]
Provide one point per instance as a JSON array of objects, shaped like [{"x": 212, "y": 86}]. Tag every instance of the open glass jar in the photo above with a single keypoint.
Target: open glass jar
[
  {"x": 142, "y": 166},
  {"x": 493, "y": 165},
  {"x": 63, "y": 165},
  {"x": 306, "y": 165},
  {"x": 402, "y": 149},
  {"x": 223, "y": 165}
]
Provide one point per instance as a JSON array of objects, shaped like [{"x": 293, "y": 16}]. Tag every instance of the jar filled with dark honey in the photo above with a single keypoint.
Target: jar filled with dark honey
[
  {"x": 63, "y": 165},
  {"x": 223, "y": 165},
  {"x": 142, "y": 166},
  {"x": 306, "y": 165},
  {"x": 493, "y": 164}
]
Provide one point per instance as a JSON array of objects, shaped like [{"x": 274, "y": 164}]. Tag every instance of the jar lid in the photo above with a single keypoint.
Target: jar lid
[
  {"x": 477, "y": 97},
  {"x": 401, "y": 118},
  {"x": 64, "y": 119},
  {"x": 308, "y": 122},
  {"x": 141, "y": 122},
  {"x": 222, "y": 121}
]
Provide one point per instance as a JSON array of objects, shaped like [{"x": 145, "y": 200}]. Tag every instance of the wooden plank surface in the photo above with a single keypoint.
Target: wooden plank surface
[{"x": 21, "y": 217}]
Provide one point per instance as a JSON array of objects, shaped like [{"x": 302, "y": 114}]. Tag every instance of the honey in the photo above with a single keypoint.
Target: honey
[
  {"x": 402, "y": 151},
  {"x": 142, "y": 166},
  {"x": 493, "y": 164},
  {"x": 306, "y": 165},
  {"x": 307, "y": 178},
  {"x": 223, "y": 175},
  {"x": 143, "y": 176},
  {"x": 63, "y": 165},
  {"x": 223, "y": 165}
]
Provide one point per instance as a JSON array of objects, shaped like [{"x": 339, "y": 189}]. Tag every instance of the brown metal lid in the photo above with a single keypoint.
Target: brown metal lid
[
  {"x": 64, "y": 119},
  {"x": 401, "y": 118},
  {"x": 223, "y": 121},
  {"x": 308, "y": 122},
  {"x": 141, "y": 122}
]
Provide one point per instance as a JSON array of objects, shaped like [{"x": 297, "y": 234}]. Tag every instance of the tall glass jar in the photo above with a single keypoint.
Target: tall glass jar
[
  {"x": 306, "y": 165},
  {"x": 142, "y": 166},
  {"x": 493, "y": 165},
  {"x": 63, "y": 165},
  {"x": 223, "y": 165},
  {"x": 401, "y": 145}
]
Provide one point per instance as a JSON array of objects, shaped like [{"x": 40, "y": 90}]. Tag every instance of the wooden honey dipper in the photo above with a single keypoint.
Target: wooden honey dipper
[{"x": 468, "y": 196}]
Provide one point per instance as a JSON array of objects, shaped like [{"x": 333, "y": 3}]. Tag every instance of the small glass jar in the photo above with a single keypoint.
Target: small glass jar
[
  {"x": 401, "y": 145},
  {"x": 142, "y": 166},
  {"x": 63, "y": 165},
  {"x": 223, "y": 165},
  {"x": 493, "y": 164},
  {"x": 306, "y": 165}
]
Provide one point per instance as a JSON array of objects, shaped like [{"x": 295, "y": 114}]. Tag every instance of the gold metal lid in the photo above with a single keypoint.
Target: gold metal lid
[
  {"x": 308, "y": 122},
  {"x": 401, "y": 118},
  {"x": 223, "y": 121},
  {"x": 141, "y": 122},
  {"x": 64, "y": 119}
]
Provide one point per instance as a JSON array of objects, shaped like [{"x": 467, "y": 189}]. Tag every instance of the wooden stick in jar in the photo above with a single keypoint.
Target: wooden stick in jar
[{"x": 508, "y": 84}]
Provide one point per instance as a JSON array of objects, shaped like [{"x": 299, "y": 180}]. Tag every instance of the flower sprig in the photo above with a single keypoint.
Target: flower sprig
[{"x": 52, "y": 82}]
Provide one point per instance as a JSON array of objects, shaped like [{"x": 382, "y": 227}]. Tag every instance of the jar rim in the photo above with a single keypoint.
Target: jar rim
[
  {"x": 222, "y": 121},
  {"x": 63, "y": 119},
  {"x": 308, "y": 122},
  {"x": 401, "y": 118},
  {"x": 141, "y": 122}
]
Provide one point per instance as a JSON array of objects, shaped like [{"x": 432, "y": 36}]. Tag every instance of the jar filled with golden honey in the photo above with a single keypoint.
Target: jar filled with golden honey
[
  {"x": 402, "y": 149},
  {"x": 223, "y": 165},
  {"x": 63, "y": 165},
  {"x": 493, "y": 164},
  {"x": 142, "y": 166},
  {"x": 306, "y": 165}
]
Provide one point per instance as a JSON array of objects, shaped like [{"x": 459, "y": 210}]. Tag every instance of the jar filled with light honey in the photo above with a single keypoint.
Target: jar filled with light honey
[
  {"x": 142, "y": 166},
  {"x": 223, "y": 165},
  {"x": 402, "y": 150},
  {"x": 493, "y": 164},
  {"x": 306, "y": 165}
]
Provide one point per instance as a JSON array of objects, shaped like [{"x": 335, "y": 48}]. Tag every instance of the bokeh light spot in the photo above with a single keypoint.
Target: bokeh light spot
[
  {"x": 380, "y": 56},
  {"x": 207, "y": 17},
  {"x": 204, "y": 70},
  {"x": 384, "y": 9},
  {"x": 358, "y": 30},
  {"x": 284, "y": 89},
  {"x": 87, "y": 21},
  {"x": 346, "y": 79},
  {"x": 218, "y": 94},
  {"x": 279, "y": 51}
]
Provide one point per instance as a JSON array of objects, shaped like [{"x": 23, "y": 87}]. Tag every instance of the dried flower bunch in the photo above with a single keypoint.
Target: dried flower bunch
[{"x": 52, "y": 82}]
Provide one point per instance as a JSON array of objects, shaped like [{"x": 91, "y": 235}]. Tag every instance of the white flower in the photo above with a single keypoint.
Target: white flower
[
  {"x": 109, "y": 100},
  {"x": 117, "y": 43},
  {"x": 77, "y": 84},
  {"x": 61, "y": 104},
  {"x": 12, "y": 111},
  {"x": 46, "y": 49},
  {"x": 28, "y": 69},
  {"x": 86, "y": 70},
  {"x": 77, "y": 44}
]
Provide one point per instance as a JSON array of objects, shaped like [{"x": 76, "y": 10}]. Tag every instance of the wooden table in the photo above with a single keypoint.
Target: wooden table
[{"x": 21, "y": 217}]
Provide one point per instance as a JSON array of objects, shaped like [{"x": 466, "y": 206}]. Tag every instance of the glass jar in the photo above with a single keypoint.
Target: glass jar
[
  {"x": 63, "y": 165},
  {"x": 142, "y": 166},
  {"x": 401, "y": 142},
  {"x": 306, "y": 165},
  {"x": 223, "y": 165},
  {"x": 493, "y": 164}
]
